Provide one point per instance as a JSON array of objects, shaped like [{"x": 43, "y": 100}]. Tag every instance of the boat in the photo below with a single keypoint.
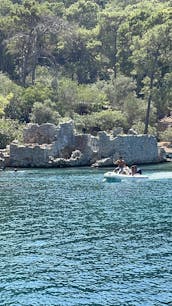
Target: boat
[{"x": 118, "y": 177}]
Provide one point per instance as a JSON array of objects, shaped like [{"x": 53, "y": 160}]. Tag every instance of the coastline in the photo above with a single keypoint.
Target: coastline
[{"x": 50, "y": 146}]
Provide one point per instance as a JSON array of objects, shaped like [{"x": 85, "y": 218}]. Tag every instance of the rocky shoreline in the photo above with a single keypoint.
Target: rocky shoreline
[{"x": 50, "y": 146}]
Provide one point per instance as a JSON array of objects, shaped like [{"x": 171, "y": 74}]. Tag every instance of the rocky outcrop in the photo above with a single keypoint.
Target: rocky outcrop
[
  {"x": 4, "y": 158},
  {"x": 2, "y": 163},
  {"x": 132, "y": 132},
  {"x": 137, "y": 148},
  {"x": 165, "y": 150},
  {"x": 51, "y": 146},
  {"x": 75, "y": 160},
  {"x": 32, "y": 155},
  {"x": 64, "y": 140},
  {"x": 45, "y": 133},
  {"x": 104, "y": 162}
]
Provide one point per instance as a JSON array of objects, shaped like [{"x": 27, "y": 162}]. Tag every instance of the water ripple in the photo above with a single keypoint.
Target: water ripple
[{"x": 68, "y": 238}]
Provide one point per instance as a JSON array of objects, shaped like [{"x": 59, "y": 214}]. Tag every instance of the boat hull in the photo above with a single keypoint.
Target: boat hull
[{"x": 112, "y": 176}]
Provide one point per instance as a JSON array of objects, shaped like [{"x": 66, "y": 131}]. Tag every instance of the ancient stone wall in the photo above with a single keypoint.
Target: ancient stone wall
[
  {"x": 30, "y": 155},
  {"x": 61, "y": 142},
  {"x": 137, "y": 148},
  {"x": 44, "y": 133}
]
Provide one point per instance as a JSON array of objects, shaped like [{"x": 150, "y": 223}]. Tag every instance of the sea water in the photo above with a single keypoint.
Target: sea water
[{"x": 68, "y": 238}]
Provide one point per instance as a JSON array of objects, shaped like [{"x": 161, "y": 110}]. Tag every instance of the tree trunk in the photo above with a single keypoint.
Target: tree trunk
[
  {"x": 33, "y": 74},
  {"x": 23, "y": 72},
  {"x": 148, "y": 105},
  {"x": 115, "y": 57}
]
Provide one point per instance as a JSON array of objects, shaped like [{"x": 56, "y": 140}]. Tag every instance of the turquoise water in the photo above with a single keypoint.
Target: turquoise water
[{"x": 68, "y": 238}]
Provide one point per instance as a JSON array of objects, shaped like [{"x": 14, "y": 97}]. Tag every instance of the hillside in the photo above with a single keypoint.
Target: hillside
[{"x": 104, "y": 64}]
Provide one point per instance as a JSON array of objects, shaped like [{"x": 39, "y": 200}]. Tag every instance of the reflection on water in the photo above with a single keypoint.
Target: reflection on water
[{"x": 68, "y": 238}]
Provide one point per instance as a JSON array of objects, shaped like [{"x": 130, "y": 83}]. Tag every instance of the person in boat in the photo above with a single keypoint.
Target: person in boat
[
  {"x": 139, "y": 171},
  {"x": 126, "y": 170},
  {"x": 135, "y": 170},
  {"x": 120, "y": 163}
]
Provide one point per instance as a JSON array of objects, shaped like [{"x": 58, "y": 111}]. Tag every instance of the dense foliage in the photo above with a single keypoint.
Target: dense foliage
[{"x": 105, "y": 64}]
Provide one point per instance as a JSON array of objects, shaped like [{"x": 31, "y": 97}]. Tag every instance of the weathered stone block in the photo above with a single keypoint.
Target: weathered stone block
[{"x": 63, "y": 147}]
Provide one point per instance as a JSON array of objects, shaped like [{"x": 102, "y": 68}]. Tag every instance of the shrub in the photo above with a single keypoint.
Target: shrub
[
  {"x": 166, "y": 135},
  {"x": 44, "y": 112},
  {"x": 21, "y": 105},
  {"x": 9, "y": 131},
  {"x": 100, "y": 121},
  {"x": 139, "y": 128}
]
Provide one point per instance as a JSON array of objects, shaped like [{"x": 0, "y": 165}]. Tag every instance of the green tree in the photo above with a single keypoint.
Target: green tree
[
  {"x": 6, "y": 23},
  {"x": 118, "y": 89},
  {"x": 151, "y": 58},
  {"x": 4, "y": 101},
  {"x": 79, "y": 55},
  {"x": 20, "y": 107},
  {"x": 89, "y": 99},
  {"x": 139, "y": 128},
  {"x": 162, "y": 95},
  {"x": 77, "y": 98},
  {"x": 166, "y": 135},
  {"x": 140, "y": 18},
  {"x": 32, "y": 39},
  {"x": 105, "y": 120},
  {"x": 67, "y": 96},
  {"x": 84, "y": 13},
  {"x": 9, "y": 131},
  {"x": 133, "y": 26},
  {"x": 44, "y": 112},
  {"x": 110, "y": 22},
  {"x": 8, "y": 86}
]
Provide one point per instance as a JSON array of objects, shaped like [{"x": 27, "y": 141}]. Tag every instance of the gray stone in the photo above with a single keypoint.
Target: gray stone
[
  {"x": 132, "y": 132},
  {"x": 74, "y": 161},
  {"x": 64, "y": 148},
  {"x": 105, "y": 162},
  {"x": 76, "y": 154},
  {"x": 2, "y": 163},
  {"x": 64, "y": 142},
  {"x": 117, "y": 131},
  {"x": 137, "y": 148},
  {"x": 4, "y": 158},
  {"x": 29, "y": 155},
  {"x": 162, "y": 154},
  {"x": 83, "y": 143},
  {"x": 45, "y": 133},
  {"x": 30, "y": 133},
  {"x": 105, "y": 145}
]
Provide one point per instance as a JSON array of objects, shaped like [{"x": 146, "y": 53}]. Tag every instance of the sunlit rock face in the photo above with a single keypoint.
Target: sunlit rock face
[
  {"x": 135, "y": 149},
  {"x": 44, "y": 133},
  {"x": 48, "y": 145},
  {"x": 30, "y": 155}
]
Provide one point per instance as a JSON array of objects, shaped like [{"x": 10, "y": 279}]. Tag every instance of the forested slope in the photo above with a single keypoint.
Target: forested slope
[{"x": 105, "y": 64}]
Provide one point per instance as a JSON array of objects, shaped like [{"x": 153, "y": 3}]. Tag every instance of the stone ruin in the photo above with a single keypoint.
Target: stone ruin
[{"x": 48, "y": 145}]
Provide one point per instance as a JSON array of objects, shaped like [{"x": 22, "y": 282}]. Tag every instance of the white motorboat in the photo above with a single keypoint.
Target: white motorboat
[{"x": 113, "y": 176}]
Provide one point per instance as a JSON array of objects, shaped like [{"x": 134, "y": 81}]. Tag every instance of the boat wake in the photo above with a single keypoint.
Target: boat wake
[
  {"x": 160, "y": 175},
  {"x": 153, "y": 176}
]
